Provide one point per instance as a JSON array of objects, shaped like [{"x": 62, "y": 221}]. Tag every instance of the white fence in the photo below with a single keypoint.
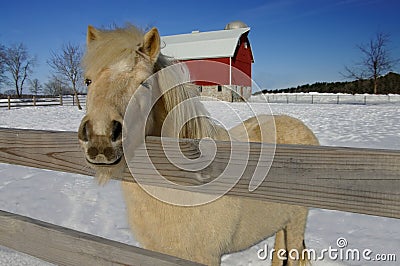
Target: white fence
[
  {"x": 326, "y": 98},
  {"x": 41, "y": 101}
]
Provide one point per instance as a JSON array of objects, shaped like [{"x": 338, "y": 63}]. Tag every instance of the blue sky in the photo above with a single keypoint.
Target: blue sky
[{"x": 294, "y": 42}]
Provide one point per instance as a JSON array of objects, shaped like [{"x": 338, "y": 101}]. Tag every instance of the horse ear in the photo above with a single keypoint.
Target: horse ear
[
  {"x": 92, "y": 34},
  {"x": 151, "y": 44}
]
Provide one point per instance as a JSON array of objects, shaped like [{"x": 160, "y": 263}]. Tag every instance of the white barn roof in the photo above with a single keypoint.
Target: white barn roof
[{"x": 200, "y": 45}]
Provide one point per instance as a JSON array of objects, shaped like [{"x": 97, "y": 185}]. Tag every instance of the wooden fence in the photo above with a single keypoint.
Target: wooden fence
[
  {"x": 41, "y": 101},
  {"x": 365, "y": 181},
  {"x": 64, "y": 246}
]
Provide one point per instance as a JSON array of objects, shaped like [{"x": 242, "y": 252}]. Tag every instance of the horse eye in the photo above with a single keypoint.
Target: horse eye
[
  {"x": 146, "y": 85},
  {"x": 88, "y": 82}
]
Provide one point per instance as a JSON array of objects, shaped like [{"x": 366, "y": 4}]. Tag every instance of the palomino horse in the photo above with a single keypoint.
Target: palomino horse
[{"x": 116, "y": 64}]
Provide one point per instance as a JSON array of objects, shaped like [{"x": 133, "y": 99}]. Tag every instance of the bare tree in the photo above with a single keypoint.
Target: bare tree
[
  {"x": 376, "y": 60},
  {"x": 19, "y": 64},
  {"x": 2, "y": 63},
  {"x": 34, "y": 86},
  {"x": 55, "y": 86},
  {"x": 66, "y": 64}
]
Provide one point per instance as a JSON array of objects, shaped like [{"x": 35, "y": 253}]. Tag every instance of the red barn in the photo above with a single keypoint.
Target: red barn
[{"x": 229, "y": 80}]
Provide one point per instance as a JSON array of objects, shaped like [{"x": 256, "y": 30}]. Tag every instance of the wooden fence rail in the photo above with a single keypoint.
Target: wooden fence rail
[
  {"x": 64, "y": 246},
  {"x": 357, "y": 180}
]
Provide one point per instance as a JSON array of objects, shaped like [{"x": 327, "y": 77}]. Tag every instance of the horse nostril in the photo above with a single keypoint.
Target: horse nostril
[
  {"x": 92, "y": 152},
  {"x": 83, "y": 134},
  {"x": 108, "y": 153},
  {"x": 116, "y": 131}
]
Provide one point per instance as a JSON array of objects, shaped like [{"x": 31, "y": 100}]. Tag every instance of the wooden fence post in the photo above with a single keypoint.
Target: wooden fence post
[
  {"x": 34, "y": 100},
  {"x": 9, "y": 102},
  {"x": 61, "y": 99}
]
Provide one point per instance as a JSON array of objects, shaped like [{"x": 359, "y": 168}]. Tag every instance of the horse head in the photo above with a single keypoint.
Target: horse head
[{"x": 116, "y": 65}]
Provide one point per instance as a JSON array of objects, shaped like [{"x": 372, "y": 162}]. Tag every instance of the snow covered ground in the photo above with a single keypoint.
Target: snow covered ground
[{"x": 77, "y": 202}]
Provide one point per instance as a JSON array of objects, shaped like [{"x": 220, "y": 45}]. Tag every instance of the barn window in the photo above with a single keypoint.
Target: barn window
[
  {"x": 245, "y": 45},
  {"x": 219, "y": 88}
]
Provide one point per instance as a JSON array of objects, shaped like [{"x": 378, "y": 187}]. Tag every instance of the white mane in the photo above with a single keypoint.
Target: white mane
[{"x": 181, "y": 101}]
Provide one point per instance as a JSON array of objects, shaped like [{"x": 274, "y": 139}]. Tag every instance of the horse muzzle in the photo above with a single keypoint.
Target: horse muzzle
[{"x": 104, "y": 149}]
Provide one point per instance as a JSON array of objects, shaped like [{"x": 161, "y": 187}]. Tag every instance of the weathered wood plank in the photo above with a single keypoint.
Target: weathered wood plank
[
  {"x": 64, "y": 246},
  {"x": 50, "y": 150},
  {"x": 348, "y": 179}
]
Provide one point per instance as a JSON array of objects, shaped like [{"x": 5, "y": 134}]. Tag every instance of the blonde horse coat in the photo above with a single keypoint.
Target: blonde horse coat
[{"x": 116, "y": 63}]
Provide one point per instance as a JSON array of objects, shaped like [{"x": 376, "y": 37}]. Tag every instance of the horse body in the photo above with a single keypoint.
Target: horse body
[{"x": 117, "y": 62}]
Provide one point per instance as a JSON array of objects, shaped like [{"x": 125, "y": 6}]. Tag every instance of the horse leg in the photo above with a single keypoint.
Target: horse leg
[
  {"x": 280, "y": 244},
  {"x": 295, "y": 239}
]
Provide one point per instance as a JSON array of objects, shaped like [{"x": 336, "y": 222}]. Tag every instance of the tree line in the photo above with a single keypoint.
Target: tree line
[
  {"x": 388, "y": 84},
  {"x": 17, "y": 65}
]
